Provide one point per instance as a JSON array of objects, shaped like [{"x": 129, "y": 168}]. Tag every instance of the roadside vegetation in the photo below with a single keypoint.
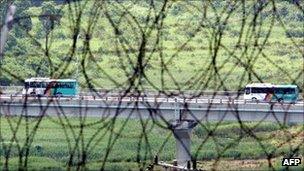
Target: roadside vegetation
[{"x": 214, "y": 145}]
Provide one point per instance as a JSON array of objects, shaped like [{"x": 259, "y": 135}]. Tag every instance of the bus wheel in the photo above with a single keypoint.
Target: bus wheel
[
  {"x": 254, "y": 99},
  {"x": 280, "y": 100}
]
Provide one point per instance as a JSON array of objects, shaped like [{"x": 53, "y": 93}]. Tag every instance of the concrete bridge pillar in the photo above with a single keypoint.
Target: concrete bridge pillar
[{"x": 182, "y": 134}]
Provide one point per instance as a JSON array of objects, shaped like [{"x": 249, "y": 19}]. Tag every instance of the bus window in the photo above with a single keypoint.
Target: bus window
[
  {"x": 35, "y": 85},
  {"x": 65, "y": 85},
  {"x": 257, "y": 90},
  {"x": 279, "y": 91},
  {"x": 26, "y": 85},
  {"x": 270, "y": 90},
  {"x": 54, "y": 85},
  {"x": 285, "y": 91},
  {"x": 261, "y": 90},
  {"x": 247, "y": 90},
  {"x": 32, "y": 84},
  {"x": 71, "y": 85},
  {"x": 44, "y": 84},
  {"x": 254, "y": 90},
  {"x": 57, "y": 85},
  {"x": 68, "y": 85},
  {"x": 290, "y": 91}
]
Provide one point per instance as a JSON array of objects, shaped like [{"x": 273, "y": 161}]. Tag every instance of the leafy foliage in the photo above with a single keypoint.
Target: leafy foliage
[{"x": 50, "y": 17}]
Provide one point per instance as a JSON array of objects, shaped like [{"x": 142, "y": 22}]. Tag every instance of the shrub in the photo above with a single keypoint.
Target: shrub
[
  {"x": 266, "y": 127},
  {"x": 235, "y": 154},
  {"x": 38, "y": 150},
  {"x": 200, "y": 132},
  {"x": 207, "y": 155}
]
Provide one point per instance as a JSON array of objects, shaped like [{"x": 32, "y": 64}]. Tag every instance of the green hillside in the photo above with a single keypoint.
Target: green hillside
[{"x": 190, "y": 45}]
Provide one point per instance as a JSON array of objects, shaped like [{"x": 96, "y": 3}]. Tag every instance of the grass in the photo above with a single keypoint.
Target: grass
[{"x": 55, "y": 139}]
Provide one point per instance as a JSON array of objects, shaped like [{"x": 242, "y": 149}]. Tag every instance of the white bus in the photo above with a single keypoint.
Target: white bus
[
  {"x": 270, "y": 92},
  {"x": 50, "y": 87},
  {"x": 35, "y": 86}
]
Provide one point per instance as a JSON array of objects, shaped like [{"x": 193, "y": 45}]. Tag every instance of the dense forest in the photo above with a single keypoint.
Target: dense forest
[{"x": 269, "y": 39}]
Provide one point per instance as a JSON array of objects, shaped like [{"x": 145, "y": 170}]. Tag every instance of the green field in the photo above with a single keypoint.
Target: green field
[
  {"x": 269, "y": 48},
  {"x": 61, "y": 142}
]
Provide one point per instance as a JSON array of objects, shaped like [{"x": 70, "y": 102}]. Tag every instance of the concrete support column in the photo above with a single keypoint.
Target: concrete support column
[
  {"x": 183, "y": 143},
  {"x": 182, "y": 133}
]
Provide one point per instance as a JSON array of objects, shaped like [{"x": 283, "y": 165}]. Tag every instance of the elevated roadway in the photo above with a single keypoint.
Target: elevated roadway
[{"x": 156, "y": 108}]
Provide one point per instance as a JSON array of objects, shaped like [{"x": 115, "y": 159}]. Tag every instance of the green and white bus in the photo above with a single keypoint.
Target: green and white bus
[
  {"x": 50, "y": 87},
  {"x": 271, "y": 93}
]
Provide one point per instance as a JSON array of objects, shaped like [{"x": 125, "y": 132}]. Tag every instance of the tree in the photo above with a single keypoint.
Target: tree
[
  {"x": 50, "y": 17},
  {"x": 22, "y": 20},
  {"x": 24, "y": 25}
]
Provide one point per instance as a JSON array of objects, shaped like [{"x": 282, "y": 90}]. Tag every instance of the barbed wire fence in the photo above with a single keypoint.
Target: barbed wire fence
[{"x": 136, "y": 40}]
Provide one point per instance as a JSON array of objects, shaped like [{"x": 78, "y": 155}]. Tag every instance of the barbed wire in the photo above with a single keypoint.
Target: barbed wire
[{"x": 145, "y": 41}]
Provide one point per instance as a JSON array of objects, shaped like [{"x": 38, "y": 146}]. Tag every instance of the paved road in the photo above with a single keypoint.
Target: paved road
[
  {"x": 150, "y": 107},
  {"x": 201, "y": 99}
]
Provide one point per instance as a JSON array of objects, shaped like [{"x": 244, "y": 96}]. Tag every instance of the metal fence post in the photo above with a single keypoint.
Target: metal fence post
[
  {"x": 176, "y": 109},
  {"x": 175, "y": 164},
  {"x": 194, "y": 166},
  {"x": 188, "y": 164}
]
